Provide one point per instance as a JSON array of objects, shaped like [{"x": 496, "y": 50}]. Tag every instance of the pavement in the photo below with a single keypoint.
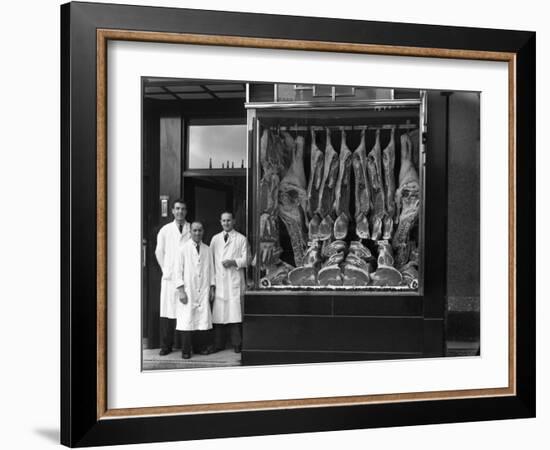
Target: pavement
[
  {"x": 228, "y": 358},
  {"x": 462, "y": 348},
  {"x": 153, "y": 361}
]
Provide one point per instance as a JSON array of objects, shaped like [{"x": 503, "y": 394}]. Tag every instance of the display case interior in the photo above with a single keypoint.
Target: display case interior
[{"x": 339, "y": 195}]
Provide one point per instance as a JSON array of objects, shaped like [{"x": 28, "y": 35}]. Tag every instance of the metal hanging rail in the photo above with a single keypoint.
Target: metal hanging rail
[
  {"x": 349, "y": 104},
  {"x": 403, "y": 126}
]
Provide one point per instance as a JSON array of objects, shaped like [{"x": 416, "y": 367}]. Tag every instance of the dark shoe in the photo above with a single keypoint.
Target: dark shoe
[
  {"x": 237, "y": 348},
  {"x": 186, "y": 355},
  {"x": 165, "y": 351},
  {"x": 207, "y": 351}
]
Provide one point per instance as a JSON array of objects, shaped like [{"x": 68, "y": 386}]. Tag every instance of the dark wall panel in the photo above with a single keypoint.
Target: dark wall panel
[
  {"x": 464, "y": 196},
  {"x": 316, "y": 333}
]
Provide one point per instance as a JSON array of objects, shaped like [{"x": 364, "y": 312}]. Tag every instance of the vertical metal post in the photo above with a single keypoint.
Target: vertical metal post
[
  {"x": 422, "y": 143},
  {"x": 447, "y": 95}
]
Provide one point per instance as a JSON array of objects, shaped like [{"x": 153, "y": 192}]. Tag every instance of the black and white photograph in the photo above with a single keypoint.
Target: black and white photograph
[
  {"x": 295, "y": 223},
  {"x": 281, "y": 224}
]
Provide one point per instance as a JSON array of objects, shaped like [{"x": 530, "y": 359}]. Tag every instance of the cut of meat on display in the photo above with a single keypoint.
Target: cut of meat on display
[
  {"x": 338, "y": 217},
  {"x": 363, "y": 194},
  {"x": 408, "y": 202},
  {"x": 374, "y": 166},
  {"x": 343, "y": 191},
  {"x": 328, "y": 187},
  {"x": 388, "y": 162},
  {"x": 292, "y": 198}
]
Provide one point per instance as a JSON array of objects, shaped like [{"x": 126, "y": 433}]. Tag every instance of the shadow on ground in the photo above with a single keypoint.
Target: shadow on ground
[{"x": 50, "y": 434}]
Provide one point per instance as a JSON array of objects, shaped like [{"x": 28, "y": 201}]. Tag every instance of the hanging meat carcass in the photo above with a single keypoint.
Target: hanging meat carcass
[
  {"x": 307, "y": 274},
  {"x": 362, "y": 189},
  {"x": 407, "y": 200},
  {"x": 388, "y": 162},
  {"x": 374, "y": 166},
  {"x": 314, "y": 187},
  {"x": 342, "y": 191},
  {"x": 269, "y": 198},
  {"x": 269, "y": 182},
  {"x": 292, "y": 198},
  {"x": 386, "y": 274},
  {"x": 328, "y": 184}
]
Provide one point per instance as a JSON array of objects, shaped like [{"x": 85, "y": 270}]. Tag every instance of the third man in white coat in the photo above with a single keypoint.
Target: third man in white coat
[{"x": 230, "y": 252}]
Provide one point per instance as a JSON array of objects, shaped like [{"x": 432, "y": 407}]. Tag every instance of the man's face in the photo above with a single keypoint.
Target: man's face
[
  {"x": 179, "y": 211},
  {"x": 227, "y": 222},
  {"x": 197, "y": 232}
]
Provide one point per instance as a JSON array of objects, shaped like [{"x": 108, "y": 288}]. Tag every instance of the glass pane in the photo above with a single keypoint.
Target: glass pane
[
  {"x": 211, "y": 146},
  {"x": 340, "y": 200}
]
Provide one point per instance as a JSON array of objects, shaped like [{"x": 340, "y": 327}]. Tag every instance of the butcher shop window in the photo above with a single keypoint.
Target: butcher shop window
[{"x": 339, "y": 196}]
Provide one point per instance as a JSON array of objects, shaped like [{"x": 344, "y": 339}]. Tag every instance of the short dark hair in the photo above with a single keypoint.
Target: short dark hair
[
  {"x": 197, "y": 222},
  {"x": 179, "y": 200},
  {"x": 227, "y": 212}
]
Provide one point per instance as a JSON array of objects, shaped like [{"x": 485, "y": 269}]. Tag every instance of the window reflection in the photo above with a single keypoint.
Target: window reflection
[{"x": 214, "y": 146}]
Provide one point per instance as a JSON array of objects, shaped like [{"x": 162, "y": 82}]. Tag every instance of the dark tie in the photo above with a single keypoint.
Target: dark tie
[
  {"x": 225, "y": 237},
  {"x": 180, "y": 226},
  {"x": 199, "y": 248}
]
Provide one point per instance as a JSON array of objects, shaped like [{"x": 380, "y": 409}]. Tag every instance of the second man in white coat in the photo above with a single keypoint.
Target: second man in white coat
[
  {"x": 195, "y": 285},
  {"x": 230, "y": 251}
]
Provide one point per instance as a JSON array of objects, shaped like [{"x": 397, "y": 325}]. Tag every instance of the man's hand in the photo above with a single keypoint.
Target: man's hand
[
  {"x": 227, "y": 263},
  {"x": 182, "y": 295},
  {"x": 212, "y": 294}
]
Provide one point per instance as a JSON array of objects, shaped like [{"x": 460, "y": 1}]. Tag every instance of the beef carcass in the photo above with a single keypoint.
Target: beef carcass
[
  {"x": 313, "y": 228},
  {"x": 388, "y": 162},
  {"x": 374, "y": 166},
  {"x": 342, "y": 191},
  {"x": 269, "y": 198},
  {"x": 326, "y": 228},
  {"x": 269, "y": 182},
  {"x": 307, "y": 274},
  {"x": 386, "y": 274},
  {"x": 326, "y": 195},
  {"x": 315, "y": 176},
  {"x": 362, "y": 189},
  {"x": 407, "y": 200},
  {"x": 292, "y": 199}
]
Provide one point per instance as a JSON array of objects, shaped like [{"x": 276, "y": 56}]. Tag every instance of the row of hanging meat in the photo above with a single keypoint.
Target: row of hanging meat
[{"x": 325, "y": 229}]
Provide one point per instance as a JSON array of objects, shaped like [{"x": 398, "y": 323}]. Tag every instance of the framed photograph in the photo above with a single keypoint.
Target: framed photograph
[{"x": 279, "y": 224}]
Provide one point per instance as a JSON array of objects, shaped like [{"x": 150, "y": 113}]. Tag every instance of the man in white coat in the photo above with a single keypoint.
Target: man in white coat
[
  {"x": 195, "y": 283},
  {"x": 230, "y": 251},
  {"x": 170, "y": 238}
]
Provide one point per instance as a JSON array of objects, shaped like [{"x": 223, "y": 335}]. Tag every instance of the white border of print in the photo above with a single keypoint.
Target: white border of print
[{"x": 128, "y": 387}]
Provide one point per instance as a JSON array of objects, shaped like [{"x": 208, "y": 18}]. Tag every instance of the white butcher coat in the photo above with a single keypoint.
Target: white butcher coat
[
  {"x": 230, "y": 282},
  {"x": 195, "y": 271},
  {"x": 169, "y": 242}
]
